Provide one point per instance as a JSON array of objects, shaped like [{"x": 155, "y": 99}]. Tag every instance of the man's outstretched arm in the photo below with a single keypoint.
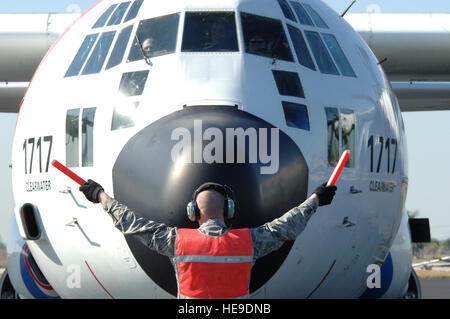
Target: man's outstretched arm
[
  {"x": 156, "y": 236},
  {"x": 272, "y": 235}
]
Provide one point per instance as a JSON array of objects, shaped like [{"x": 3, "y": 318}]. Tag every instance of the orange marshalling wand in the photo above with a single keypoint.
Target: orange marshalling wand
[
  {"x": 338, "y": 169},
  {"x": 68, "y": 172}
]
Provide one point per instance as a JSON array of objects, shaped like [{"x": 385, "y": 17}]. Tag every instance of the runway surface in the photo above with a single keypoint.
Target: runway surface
[
  {"x": 435, "y": 288},
  {"x": 431, "y": 288}
]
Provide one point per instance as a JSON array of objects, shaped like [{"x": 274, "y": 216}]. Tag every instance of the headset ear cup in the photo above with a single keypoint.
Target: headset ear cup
[
  {"x": 196, "y": 211},
  {"x": 191, "y": 211},
  {"x": 230, "y": 208}
]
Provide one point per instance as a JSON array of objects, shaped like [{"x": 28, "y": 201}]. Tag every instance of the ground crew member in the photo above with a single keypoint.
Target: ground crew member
[{"x": 212, "y": 261}]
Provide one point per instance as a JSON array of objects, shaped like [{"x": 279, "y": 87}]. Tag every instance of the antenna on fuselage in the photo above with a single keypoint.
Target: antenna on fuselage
[
  {"x": 382, "y": 61},
  {"x": 348, "y": 8}
]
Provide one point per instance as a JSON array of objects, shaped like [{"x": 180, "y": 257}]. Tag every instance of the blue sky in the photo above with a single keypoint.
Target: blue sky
[
  {"x": 44, "y": 6},
  {"x": 427, "y": 132}
]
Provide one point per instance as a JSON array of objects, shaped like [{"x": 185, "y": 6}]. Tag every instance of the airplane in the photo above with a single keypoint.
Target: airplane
[{"x": 152, "y": 98}]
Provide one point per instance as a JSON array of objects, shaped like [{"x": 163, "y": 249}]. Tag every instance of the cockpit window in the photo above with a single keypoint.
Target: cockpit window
[
  {"x": 131, "y": 86},
  {"x": 302, "y": 14},
  {"x": 98, "y": 56},
  {"x": 264, "y": 36},
  {"x": 134, "y": 10},
  {"x": 124, "y": 115},
  {"x": 287, "y": 11},
  {"x": 315, "y": 16},
  {"x": 339, "y": 55},
  {"x": 333, "y": 135},
  {"x": 341, "y": 134},
  {"x": 82, "y": 54},
  {"x": 119, "y": 49},
  {"x": 348, "y": 122},
  {"x": 323, "y": 58},
  {"x": 117, "y": 16},
  {"x": 104, "y": 17},
  {"x": 301, "y": 49},
  {"x": 288, "y": 83},
  {"x": 133, "y": 83},
  {"x": 72, "y": 137},
  {"x": 155, "y": 37},
  {"x": 296, "y": 115},
  {"x": 87, "y": 133},
  {"x": 210, "y": 32}
]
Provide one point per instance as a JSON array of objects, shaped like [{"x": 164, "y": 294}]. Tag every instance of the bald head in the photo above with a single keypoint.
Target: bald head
[{"x": 210, "y": 204}]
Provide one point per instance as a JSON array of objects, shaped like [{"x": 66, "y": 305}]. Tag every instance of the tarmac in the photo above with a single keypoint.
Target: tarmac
[{"x": 436, "y": 288}]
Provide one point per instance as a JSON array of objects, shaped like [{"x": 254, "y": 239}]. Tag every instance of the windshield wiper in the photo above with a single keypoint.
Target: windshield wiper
[
  {"x": 272, "y": 51},
  {"x": 146, "y": 58}
]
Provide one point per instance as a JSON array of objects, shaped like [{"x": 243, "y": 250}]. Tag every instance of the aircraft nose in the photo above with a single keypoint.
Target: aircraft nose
[{"x": 159, "y": 168}]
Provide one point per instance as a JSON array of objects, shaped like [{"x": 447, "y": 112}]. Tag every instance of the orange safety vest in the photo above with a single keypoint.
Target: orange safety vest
[{"x": 213, "y": 267}]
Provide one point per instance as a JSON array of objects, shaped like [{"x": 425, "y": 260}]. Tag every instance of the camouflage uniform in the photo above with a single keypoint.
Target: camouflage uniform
[{"x": 162, "y": 238}]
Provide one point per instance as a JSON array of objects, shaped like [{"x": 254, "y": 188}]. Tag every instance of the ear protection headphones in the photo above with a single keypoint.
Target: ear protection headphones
[{"x": 193, "y": 211}]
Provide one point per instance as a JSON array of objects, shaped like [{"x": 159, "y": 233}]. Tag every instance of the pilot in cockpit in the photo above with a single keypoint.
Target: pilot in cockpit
[
  {"x": 147, "y": 46},
  {"x": 257, "y": 44},
  {"x": 218, "y": 35}
]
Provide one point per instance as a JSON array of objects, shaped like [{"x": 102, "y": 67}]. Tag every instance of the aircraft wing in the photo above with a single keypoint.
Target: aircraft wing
[
  {"x": 416, "y": 46},
  {"x": 24, "y": 41}
]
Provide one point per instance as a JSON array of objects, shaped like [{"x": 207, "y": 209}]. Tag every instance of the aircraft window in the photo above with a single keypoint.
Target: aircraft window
[
  {"x": 210, "y": 32},
  {"x": 104, "y": 17},
  {"x": 98, "y": 56},
  {"x": 287, "y": 11},
  {"x": 133, "y": 83},
  {"x": 323, "y": 58},
  {"x": 302, "y": 15},
  {"x": 117, "y": 16},
  {"x": 134, "y": 10},
  {"x": 88, "y": 137},
  {"x": 157, "y": 36},
  {"x": 72, "y": 137},
  {"x": 315, "y": 16},
  {"x": 348, "y": 134},
  {"x": 296, "y": 115},
  {"x": 341, "y": 134},
  {"x": 288, "y": 83},
  {"x": 301, "y": 49},
  {"x": 264, "y": 36},
  {"x": 124, "y": 115},
  {"x": 120, "y": 47},
  {"x": 82, "y": 55},
  {"x": 333, "y": 135},
  {"x": 339, "y": 55}
]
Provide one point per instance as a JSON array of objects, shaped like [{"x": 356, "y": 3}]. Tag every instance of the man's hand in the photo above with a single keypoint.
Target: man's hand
[
  {"x": 325, "y": 194},
  {"x": 92, "y": 190}
]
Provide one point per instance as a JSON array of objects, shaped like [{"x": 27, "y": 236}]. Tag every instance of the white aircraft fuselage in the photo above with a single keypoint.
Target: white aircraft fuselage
[{"x": 269, "y": 121}]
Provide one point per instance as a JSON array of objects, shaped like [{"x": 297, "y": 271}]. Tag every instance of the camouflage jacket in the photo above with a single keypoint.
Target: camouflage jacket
[{"x": 161, "y": 237}]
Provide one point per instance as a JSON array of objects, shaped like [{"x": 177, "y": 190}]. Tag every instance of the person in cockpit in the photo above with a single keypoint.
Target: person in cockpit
[
  {"x": 218, "y": 35},
  {"x": 147, "y": 46},
  {"x": 257, "y": 45}
]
